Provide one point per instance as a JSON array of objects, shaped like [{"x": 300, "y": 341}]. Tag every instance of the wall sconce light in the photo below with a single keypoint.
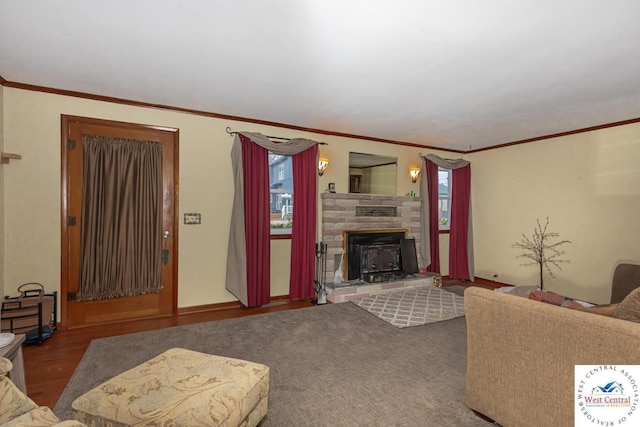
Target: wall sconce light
[
  {"x": 414, "y": 172},
  {"x": 322, "y": 165}
]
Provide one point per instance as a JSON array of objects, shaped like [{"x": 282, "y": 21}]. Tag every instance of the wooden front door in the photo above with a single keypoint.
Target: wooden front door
[{"x": 75, "y": 313}]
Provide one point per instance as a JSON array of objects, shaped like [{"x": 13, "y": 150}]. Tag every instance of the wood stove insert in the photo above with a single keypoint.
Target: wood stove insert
[{"x": 379, "y": 255}]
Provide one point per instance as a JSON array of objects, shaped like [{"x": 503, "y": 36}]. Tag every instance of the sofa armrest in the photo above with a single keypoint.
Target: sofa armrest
[
  {"x": 626, "y": 278},
  {"x": 5, "y": 366},
  {"x": 16, "y": 409},
  {"x": 14, "y": 402},
  {"x": 521, "y": 355}
]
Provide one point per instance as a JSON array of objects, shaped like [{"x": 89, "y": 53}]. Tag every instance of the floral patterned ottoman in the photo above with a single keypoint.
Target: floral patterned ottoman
[{"x": 179, "y": 388}]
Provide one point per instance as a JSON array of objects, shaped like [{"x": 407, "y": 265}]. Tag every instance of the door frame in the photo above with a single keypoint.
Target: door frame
[{"x": 66, "y": 121}]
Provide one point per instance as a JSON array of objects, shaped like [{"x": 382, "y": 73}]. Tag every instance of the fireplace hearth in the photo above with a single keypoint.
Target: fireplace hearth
[
  {"x": 342, "y": 212},
  {"x": 353, "y": 220}
]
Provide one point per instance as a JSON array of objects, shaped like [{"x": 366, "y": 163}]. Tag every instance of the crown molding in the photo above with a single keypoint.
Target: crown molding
[
  {"x": 122, "y": 101},
  {"x": 557, "y": 135}
]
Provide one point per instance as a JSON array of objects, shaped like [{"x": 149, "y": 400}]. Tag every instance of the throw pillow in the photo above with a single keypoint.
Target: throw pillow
[
  {"x": 629, "y": 308},
  {"x": 604, "y": 310},
  {"x": 548, "y": 297},
  {"x": 520, "y": 291}
]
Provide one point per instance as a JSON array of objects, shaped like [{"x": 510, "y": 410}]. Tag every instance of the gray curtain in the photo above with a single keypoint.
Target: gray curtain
[
  {"x": 424, "y": 216},
  {"x": 121, "y": 222}
]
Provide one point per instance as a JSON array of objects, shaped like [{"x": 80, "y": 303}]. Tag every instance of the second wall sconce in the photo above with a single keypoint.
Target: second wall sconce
[
  {"x": 414, "y": 172},
  {"x": 322, "y": 165}
]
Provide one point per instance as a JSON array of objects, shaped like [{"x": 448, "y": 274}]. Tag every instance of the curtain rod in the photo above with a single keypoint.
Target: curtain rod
[{"x": 230, "y": 132}]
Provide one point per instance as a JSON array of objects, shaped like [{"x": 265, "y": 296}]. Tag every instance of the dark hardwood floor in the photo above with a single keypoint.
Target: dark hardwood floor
[{"x": 49, "y": 367}]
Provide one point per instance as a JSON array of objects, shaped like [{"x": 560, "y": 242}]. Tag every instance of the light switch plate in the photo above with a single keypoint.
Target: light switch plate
[{"x": 192, "y": 218}]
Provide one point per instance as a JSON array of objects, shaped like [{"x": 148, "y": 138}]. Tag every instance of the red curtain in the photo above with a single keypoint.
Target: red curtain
[
  {"x": 303, "y": 233},
  {"x": 434, "y": 232},
  {"x": 459, "y": 229},
  {"x": 255, "y": 166}
]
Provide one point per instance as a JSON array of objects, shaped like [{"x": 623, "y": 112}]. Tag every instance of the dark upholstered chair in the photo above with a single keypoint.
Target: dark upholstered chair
[{"x": 625, "y": 279}]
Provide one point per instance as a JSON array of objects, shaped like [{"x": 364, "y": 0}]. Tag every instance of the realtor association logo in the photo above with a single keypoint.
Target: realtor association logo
[{"x": 607, "y": 395}]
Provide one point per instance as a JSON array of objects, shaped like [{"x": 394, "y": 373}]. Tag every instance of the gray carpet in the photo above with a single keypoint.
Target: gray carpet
[
  {"x": 330, "y": 365},
  {"x": 456, "y": 289},
  {"x": 413, "y": 307}
]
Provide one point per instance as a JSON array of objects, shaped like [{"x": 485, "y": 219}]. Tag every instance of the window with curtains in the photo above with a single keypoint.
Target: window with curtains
[
  {"x": 280, "y": 193},
  {"x": 444, "y": 198}
]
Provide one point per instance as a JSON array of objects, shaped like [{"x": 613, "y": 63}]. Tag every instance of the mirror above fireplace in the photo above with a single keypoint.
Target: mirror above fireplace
[{"x": 372, "y": 174}]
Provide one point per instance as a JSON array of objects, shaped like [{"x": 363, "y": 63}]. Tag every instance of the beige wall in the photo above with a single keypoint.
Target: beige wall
[
  {"x": 32, "y": 189},
  {"x": 588, "y": 185}
]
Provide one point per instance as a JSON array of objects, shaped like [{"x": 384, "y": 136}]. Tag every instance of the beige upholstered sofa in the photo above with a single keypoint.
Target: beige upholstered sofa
[
  {"x": 17, "y": 410},
  {"x": 521, "y": 355}
]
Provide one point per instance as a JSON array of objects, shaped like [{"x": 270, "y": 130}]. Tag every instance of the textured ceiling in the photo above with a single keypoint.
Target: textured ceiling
[{"x": 460, "y": 75}]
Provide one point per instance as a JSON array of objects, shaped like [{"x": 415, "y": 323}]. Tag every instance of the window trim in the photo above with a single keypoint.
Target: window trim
[{"x": 286, "y": 236}]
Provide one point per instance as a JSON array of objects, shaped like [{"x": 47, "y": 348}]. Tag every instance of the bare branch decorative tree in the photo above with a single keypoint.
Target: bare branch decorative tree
[{"x": 540, "y": 251}]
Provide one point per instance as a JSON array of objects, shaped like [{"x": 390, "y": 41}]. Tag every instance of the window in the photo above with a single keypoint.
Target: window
[
  {"x": 280, "y": 193},
  {"x": 444, "y": 198}
]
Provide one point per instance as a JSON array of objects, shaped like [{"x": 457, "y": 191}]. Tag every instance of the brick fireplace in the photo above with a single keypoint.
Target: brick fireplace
[{"x": 353, "y": 212}]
